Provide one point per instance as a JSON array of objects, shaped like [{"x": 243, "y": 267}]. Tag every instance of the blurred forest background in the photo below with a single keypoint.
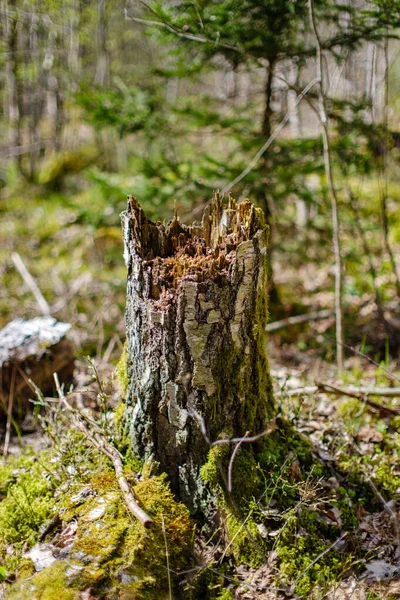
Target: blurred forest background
[{"x": 172, "y": 100}]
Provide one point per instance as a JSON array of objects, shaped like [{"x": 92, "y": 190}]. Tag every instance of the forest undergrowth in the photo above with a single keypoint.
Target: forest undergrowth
[
  {"x": 318, "y": 507},
  {"x": 318, "y": 516}
]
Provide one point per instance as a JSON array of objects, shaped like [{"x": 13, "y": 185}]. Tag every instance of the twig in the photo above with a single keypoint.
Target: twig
[
  {"x": 386, "y": 504},
  {"x": 166, "y": 557},
  {"x": 272, "y": 137},
  {"x": 230, "y": 467},
  {"x": 363, "y": 355},
  {"x": 31, "y": 283},
  {"x": 240, "y": 440},
  {"x": 361, "y": 393},
  {"x": 9, "y": 414},
  {"x": 318, "y": 558},
  {"x": 108, "y": 450},
  {"x": 316, "y": 315}
]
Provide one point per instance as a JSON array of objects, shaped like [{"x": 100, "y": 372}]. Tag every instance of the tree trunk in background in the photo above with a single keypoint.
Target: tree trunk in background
[
  {"x": 266, "y": 132},
  {"x": 14, "y": 89},
  {"x": 103, "y": 61},
  {"x": 196, "y": 346}
]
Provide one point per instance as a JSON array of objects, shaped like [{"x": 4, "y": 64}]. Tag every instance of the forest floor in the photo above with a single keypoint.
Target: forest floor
[
  {"x": 74, "y": 252},
  {"x": 350, "y": 438}
]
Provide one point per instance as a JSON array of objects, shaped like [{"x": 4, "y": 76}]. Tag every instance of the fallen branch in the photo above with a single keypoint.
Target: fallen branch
[
  {"x": 108, "y": 450},
  {"x": 316, "y": 315},
  {"x": 363, "y": 394},
  {"x": 31, "y": 284}
]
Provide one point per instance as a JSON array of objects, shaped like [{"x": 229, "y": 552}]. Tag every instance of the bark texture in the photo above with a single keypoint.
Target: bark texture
[{"x": 196, "y": 313}]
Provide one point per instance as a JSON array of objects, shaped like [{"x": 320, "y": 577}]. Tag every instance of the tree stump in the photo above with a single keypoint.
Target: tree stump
[{"x": 196, "y": 342}]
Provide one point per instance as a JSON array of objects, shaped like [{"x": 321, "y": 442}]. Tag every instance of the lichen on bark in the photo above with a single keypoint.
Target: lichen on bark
[{"x": 196, "y": 310}]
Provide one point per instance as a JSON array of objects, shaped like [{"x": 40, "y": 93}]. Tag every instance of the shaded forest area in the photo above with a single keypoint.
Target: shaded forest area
[{"x": 296, "y": 106}]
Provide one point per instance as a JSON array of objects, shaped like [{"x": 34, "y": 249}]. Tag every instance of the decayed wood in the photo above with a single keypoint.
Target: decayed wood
[
  {"x": 98, "y": 440},
  {"x": 196, "y": 311},
  {"x": 32, "y": 350}
]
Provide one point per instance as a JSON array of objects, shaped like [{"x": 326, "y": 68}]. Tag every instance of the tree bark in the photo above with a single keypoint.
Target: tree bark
[{"x": 196, "y": 345}]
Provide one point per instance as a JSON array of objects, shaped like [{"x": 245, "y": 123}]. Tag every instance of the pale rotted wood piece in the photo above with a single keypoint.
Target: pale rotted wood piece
[{"x": 32, "y": 349}]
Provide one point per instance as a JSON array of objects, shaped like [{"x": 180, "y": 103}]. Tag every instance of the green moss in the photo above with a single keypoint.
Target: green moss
[
  {"x": 122, "y": 372},
  {"x": 226, "y": 595},
  {"x": 385, "y": 478},
  {"x": 122, "y": 439},
  {"x": 50, "y": 584},
  {"x": 112, "y": 553},
  {"x": 301, "y": 542},
  {"x": 29, "y": 500},
  {"x": 245, "y": 542}
]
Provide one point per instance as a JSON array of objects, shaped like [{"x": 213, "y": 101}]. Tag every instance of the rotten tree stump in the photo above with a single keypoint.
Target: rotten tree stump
[
  {"x": 196, "y": 343},
  {"x": 33, "y": 349}
]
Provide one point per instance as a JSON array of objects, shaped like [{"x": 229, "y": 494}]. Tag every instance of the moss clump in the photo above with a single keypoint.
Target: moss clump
[
  {"x": 281, "y": 472},
  {"x": 301, "y": 542},
  {"x": 28, "y": 487},
  {"x": 112, "y": 553},
  {"x": 246, "y": 544},
  {"x": 226, "y": 595},
  {"x": 385, "y": 478},
  {"x": 122, "y": 372},
  {"x": 52, "y": 583},
  {"x": 122, "y": 438}
]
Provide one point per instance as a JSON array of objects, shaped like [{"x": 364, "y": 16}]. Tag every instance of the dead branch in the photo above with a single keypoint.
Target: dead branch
[
  {"x": 9, "y": 414},
  {"x": 31, "y": 284},
  {"x": 362, "y": 393},
  {"x": 230, "y": 467},
  {"x": 316, "y": 315},
  {"x": 108, "y": 450}
]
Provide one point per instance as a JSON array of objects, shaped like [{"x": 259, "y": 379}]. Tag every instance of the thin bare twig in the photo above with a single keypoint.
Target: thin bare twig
[
  {"x": 316, "y": 315},
  {"x": 166, "y": 557},
  {"x": 232, "y": 459},
  {"x": 361, "y": 393},
  {"x": 387, "y": 506},
  {"x": 317, "y": 558},
  {"x": 108, "y": 450},
  {"x": 9, "y": 413},
  {"x": 31, "y": 283},
  {"x": 269, "y": 141}
]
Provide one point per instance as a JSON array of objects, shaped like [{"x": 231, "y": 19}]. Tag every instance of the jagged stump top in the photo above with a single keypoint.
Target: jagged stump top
[{"x": 175, "y": 251}]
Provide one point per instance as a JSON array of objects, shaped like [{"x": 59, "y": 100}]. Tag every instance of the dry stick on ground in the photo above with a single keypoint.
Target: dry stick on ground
[
  {"x": 31, "y": 283},
  {"x": 359, "y": 393},
  {"x": 9, "y": 413},
  {"x": 166, "y": 556},
  {"x": 108, "y": 450},
  {"x": 316, "y": 315},
  {"x": 317, "y": 558},
  {"x": 332, "y": 191},
  {"x": 232, "y": 459}
]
